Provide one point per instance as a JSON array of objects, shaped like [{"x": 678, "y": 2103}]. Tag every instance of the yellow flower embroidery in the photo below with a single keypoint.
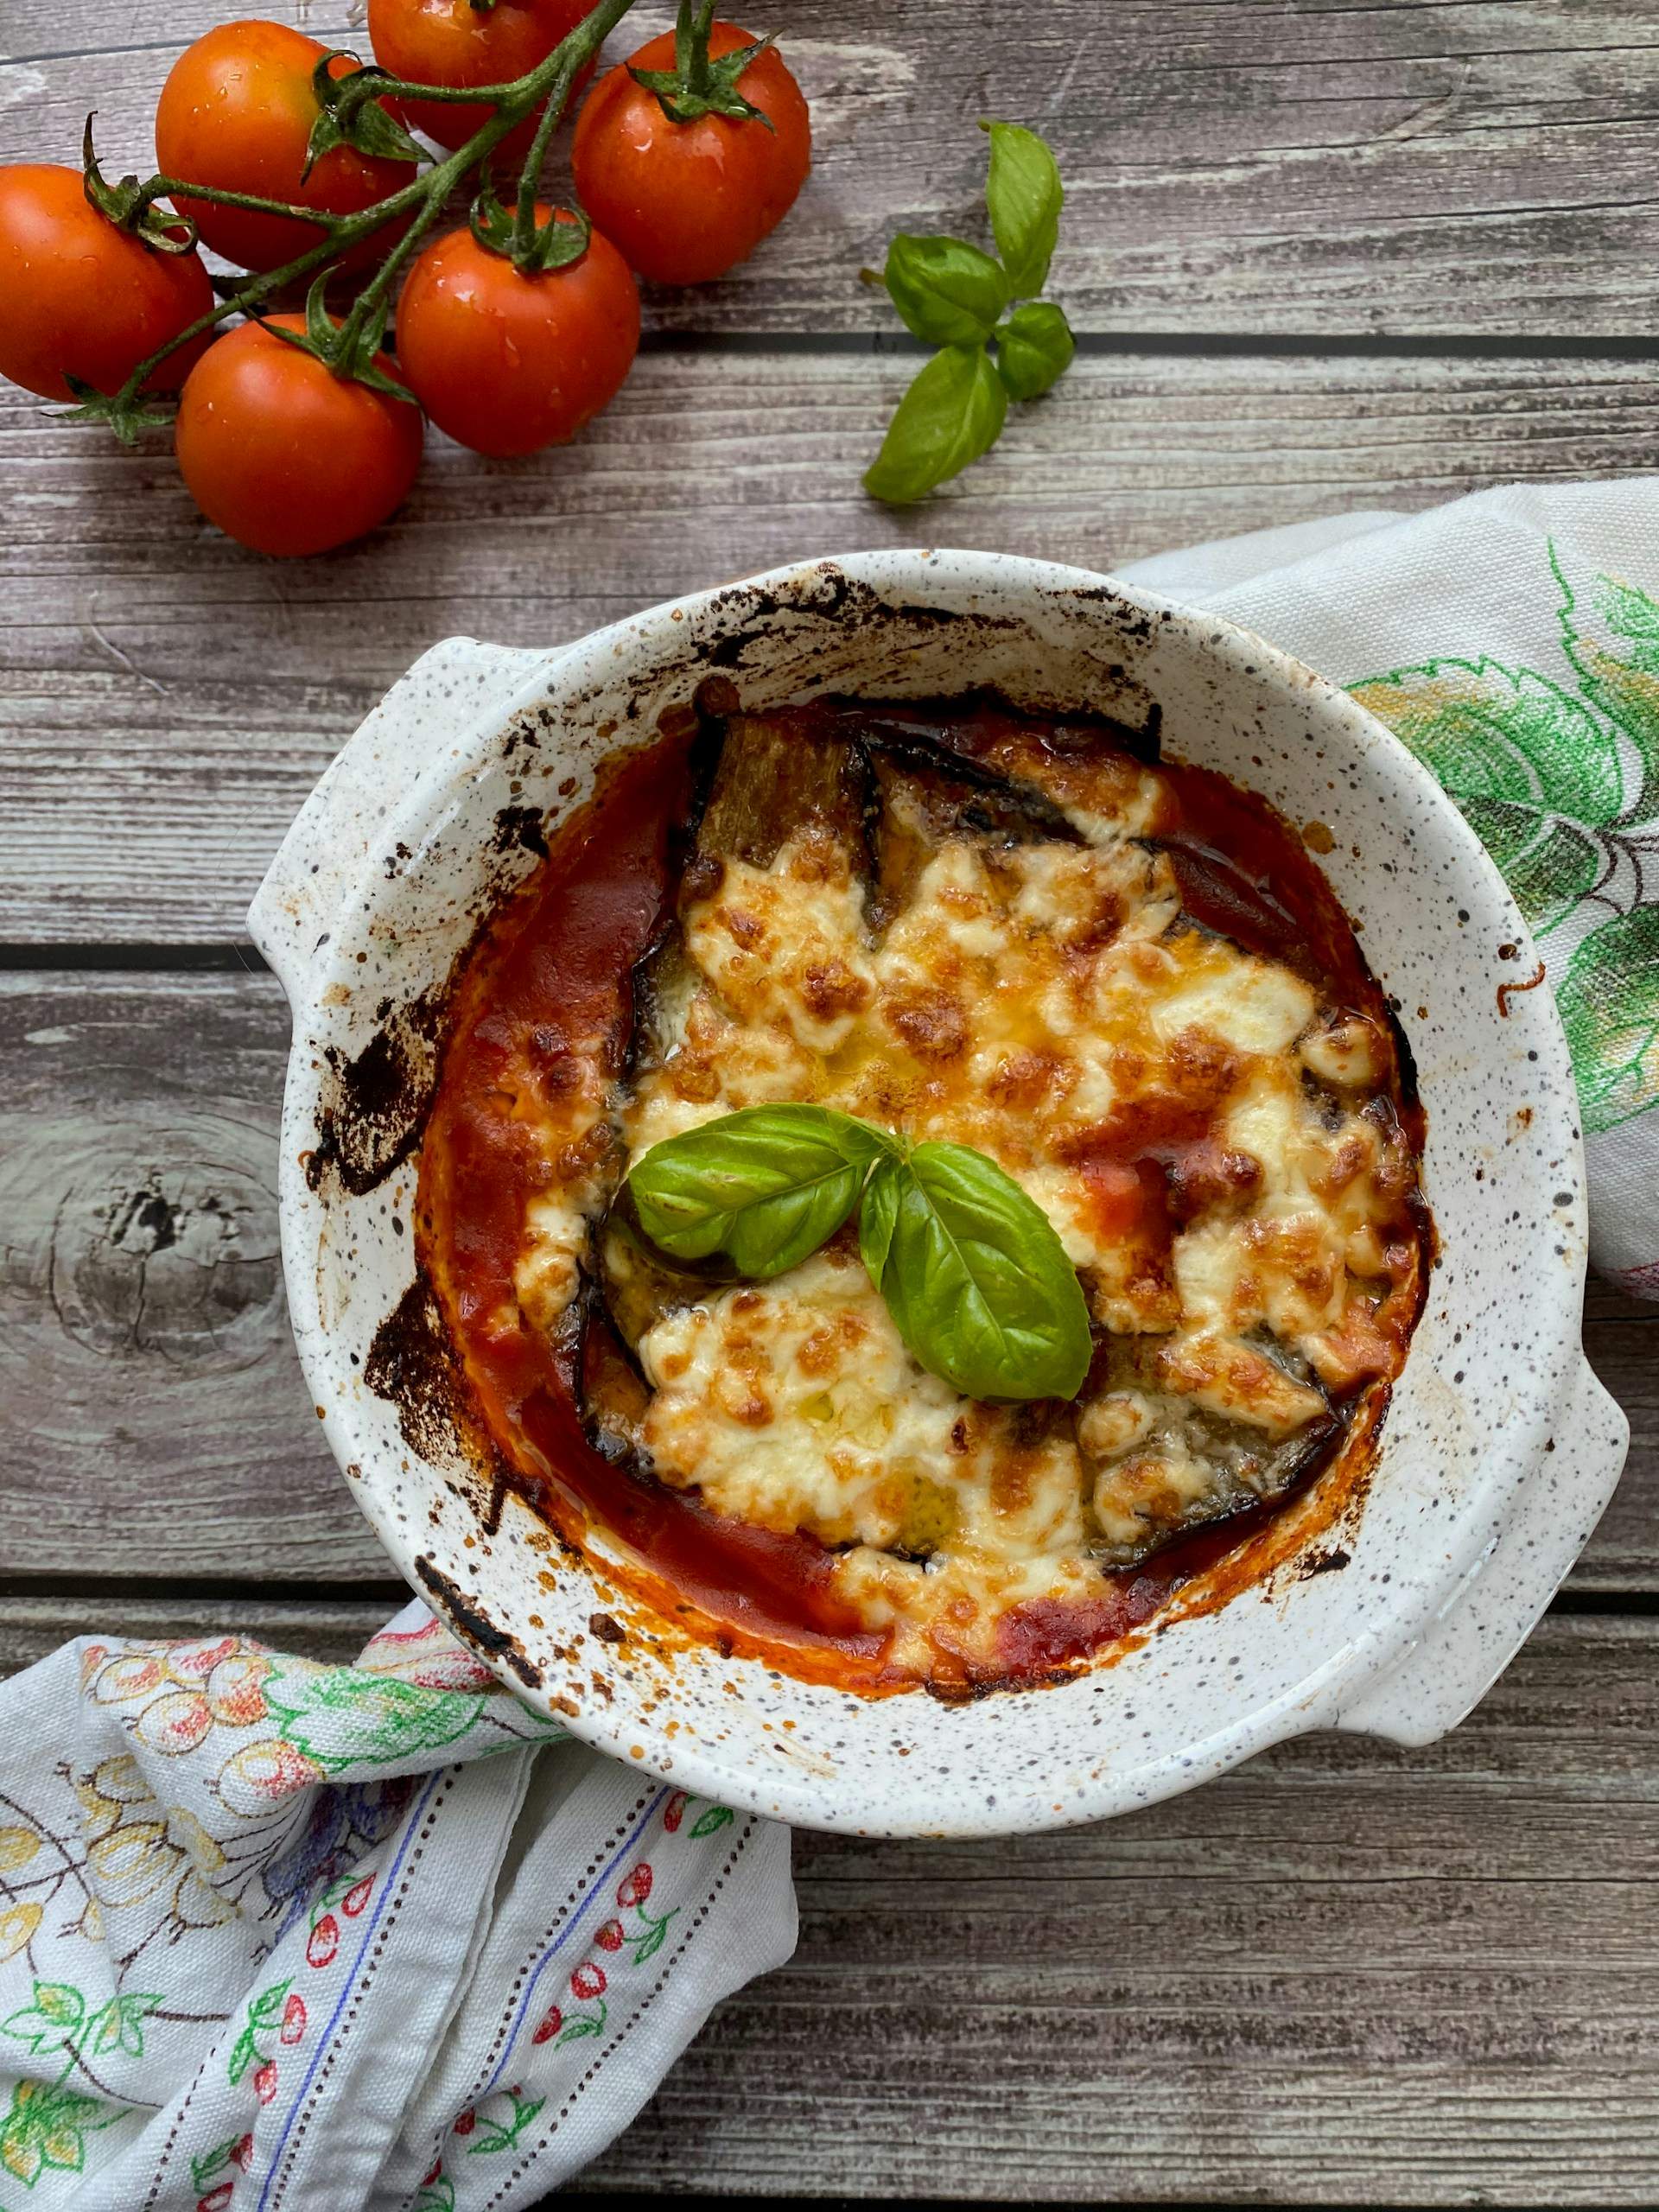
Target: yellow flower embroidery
[
  {"x": 17, "y": 1847},
  {"x": 136, "y": 1850},
  {"x": 16, "y": 1926}
]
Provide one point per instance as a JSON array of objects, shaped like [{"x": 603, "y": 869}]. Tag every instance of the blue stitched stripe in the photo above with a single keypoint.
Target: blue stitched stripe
[{"x": 350, "y": 1984}]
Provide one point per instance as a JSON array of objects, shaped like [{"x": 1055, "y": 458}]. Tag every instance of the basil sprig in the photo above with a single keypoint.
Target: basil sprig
[
  {"x": 955, "y": 296},
  {"x": 973, "y": 1274},
  {"x": 765, "y": 1186}
]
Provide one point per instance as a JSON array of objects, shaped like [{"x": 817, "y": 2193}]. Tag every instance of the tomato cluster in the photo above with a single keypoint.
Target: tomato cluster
[{"x": 506, "y": 349}]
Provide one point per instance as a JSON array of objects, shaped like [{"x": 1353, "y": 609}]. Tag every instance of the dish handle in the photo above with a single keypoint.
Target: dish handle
[
  {"x": 412, "y": 728},
  {"x": 1495, "y": 1610}
]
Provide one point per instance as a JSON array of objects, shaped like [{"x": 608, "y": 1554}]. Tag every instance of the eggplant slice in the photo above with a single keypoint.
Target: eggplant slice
[
  {"x": 776, "y": 774},
  {"x": 1144, "y": 1497},
  {"x": 893, "y": 785}
]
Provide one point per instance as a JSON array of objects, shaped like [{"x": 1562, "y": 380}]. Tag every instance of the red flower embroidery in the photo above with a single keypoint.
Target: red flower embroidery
[
  {"x": 357, "y": 1897},
  {"x": 242, "y": 2152},
  {"x": 588, "y": 1980},
  {"x": 466, "y": 2121},
  {"x": 549, "y": 2027},
  {"x": 674, "y": 1812},
  {"x": 428, "y": 2180},
  {"x": 635, "y": 1886},
  {"x": 611, "y": 1936},
  {"x": 264, "y": 2082},
  {"x": 216, "y": 2199},
  {"x": 293, "y": 2025},
  {"x": 200, "y": 1659},
  {"x": 323, "y": 1941}
]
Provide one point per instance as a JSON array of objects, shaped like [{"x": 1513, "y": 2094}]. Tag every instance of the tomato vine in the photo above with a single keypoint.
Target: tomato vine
[{"x": 350, "y": 113}]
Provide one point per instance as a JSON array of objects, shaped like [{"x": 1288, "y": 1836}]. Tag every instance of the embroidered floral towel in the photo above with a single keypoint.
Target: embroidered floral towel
[
  {"x": 274, "y": 1934},
  {"x": 1512, "y": 640}
]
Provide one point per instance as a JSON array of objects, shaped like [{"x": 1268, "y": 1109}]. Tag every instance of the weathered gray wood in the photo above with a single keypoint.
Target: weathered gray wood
[
  {"x": 1231, "y": 166},
  {"x": 156, "y": 1422},
  {"x": 1345, "y": 1974},
  {"x": 171, "y": 699},
  {"x": 335, "y": 1629}
]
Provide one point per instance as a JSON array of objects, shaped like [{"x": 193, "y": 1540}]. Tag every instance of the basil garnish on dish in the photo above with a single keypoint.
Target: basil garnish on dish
[
  {"x": 976, "y": 1281},
  {"x": 765, "y": 1186},
  {"x": 974, "y": 1275}
]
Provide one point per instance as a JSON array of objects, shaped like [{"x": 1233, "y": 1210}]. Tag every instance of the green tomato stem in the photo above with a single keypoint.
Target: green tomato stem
[
  {"x": 422, "y": 198},
  {"x": 169, "y": 188}
]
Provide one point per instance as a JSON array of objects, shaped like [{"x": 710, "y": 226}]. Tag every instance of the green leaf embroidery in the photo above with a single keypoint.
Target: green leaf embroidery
[
  {"x": 436, "y": 2195},
  {"x": 120, "y": 2024},
  {"x": 503, "y": 2134},
  {"x": 1487, "y": 732},
  {"x": 51, "y": 2021},
  {"x": 717, "y": 1816},
  {"x": 1548, "y": 862},
  {"x": 342, "y": 1718},
  {"x": 1614, "y": 646},
  {"x": 206, "y": 2164},
  {"x": 1609, "y": 1002},
  {"x": 655, "y": 1937},
  {"x": 264, "y": 2016},
  {"x": 47, "y": 2126}
]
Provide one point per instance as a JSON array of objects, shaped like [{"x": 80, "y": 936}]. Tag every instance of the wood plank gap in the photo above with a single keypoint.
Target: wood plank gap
[
  {"x": 1187, "y": 344},
  {"x": 1640, "y": 1603},
  {"x": 233, "y": 958},
  {"x": 387, "y": 1590}
]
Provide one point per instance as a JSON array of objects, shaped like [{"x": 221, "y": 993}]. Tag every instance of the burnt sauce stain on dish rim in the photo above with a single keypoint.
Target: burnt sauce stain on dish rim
[
  {"x": 470, "y": 1622},
  {"x": 376, "y": 1103}
]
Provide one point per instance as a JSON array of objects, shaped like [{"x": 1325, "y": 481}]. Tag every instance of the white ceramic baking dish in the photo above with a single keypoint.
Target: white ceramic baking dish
[{"x": 1500, "y": 1450}]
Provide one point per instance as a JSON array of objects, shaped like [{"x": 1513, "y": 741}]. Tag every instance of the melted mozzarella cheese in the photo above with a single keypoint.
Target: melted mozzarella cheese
[{"x": 1049, "y": 1004}]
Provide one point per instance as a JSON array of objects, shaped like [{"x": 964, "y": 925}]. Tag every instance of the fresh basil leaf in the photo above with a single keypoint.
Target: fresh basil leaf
[
  {"x": 1034, "y": 349},
  {"x": 1025, "y": 196},
  {"x": 766, "y": 1186},
  {"x": 974, "y": 1275},
  {"x": 947, "y": 293},
  {"x": 953, "y": 412}
]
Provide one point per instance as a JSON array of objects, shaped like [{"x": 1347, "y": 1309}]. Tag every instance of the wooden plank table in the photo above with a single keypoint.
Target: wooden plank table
[{"x": 1323, "y": 255}]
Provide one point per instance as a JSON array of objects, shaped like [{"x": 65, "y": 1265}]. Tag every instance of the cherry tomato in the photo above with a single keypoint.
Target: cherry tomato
[
  {"x": 506, "y": 363},
  {"x": 686, "y": 201},
  {"x": 282, "y": 454},
  {"x": 83, "y": 298},
  {"x": 237, "y": 112},
  {"x": 458, "y": 43}
]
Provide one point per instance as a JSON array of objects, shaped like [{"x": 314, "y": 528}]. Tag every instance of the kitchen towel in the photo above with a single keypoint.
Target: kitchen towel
[
  {"x": 1511, "y": 640},
  {"x": 370, "y": 1938}
]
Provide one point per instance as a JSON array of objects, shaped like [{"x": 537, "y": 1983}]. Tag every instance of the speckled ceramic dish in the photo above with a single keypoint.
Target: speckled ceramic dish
[{"x": 1384, "y": 1603}]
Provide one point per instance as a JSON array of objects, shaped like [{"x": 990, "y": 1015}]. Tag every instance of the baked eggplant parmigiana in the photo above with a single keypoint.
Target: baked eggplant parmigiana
[{"x": 1122, "y": 980}]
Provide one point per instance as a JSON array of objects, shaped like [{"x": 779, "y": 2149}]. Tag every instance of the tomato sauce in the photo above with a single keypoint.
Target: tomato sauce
[{"x": 550, "y": 986}]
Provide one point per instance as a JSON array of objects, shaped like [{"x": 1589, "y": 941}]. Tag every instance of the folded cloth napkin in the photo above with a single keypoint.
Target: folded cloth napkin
[
  {"x": 1512, "y": 640},
  {"x": 341, "y": 1939}
]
